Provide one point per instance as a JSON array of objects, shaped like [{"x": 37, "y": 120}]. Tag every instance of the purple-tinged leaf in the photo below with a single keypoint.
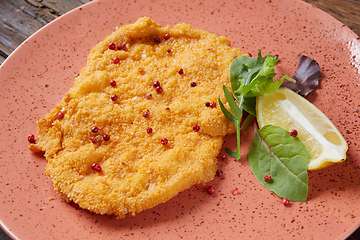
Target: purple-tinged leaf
[{"x": 307, "y": 76}]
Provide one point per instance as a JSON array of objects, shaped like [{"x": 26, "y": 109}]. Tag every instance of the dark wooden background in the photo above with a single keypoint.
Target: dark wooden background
[{"x": 19, "y": 19}]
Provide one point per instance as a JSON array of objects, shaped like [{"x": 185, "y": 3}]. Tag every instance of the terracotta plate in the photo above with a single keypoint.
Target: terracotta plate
[{"x": 37, "y": 75}]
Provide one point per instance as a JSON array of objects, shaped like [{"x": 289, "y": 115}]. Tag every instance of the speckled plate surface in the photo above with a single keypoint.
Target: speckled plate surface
[{"x": 37, "y": 75}]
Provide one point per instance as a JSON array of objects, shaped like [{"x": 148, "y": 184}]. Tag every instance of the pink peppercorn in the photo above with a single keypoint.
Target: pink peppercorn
[
  {"x": 193, "y": 84},
  {"x": 96, "y": 167},
  {"x": 112, "y": 83},
  {"x": 223, "y": 157},
  {"x": 167, "y": 36},
  {"x": 156, "y": 84},
  {"x": 159, "y": 89},
  {"x": 149, "y": 130},
  {"x": 116, "y": 60},
  {"x": 60, "y": 115},
  {"x": 31, "y": 138},
  {"x": 106, "y": 137},
  {"x": 157, "y": 40},
  {"x": 210, "y": 189},
  {"x": 112, "y": 46},
  {"x": 114, "y": 98},
  {"x": 146, "y": 114},
  {"x": 286, "y": 201},
  {"x": 219, "y": 173},
  {"x": 196, "y": 128},
  {"x": 148, "y": 96},
  {"x": 267, "y": 178},
  {"x": 181, "y": 71},
  {"x": 293, "y": 133},
  {"x": 164, "y": 141},
  {"x": 235, "y": 191},
  {"x": 122, "y": 47},
  {"x": 213, "y": 105},
  {"x": 93, "y": 140}
]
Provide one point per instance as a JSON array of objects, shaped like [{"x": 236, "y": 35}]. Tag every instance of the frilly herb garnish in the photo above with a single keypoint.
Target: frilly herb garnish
[{"x": 249, "y": 77}]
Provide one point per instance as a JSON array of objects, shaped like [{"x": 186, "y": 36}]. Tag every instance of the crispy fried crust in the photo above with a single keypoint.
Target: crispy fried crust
[{"x": 138, "y": 172}]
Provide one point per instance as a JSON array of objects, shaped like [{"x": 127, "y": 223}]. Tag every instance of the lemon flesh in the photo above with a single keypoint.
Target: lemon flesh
[{"x": 288, "y": 110}]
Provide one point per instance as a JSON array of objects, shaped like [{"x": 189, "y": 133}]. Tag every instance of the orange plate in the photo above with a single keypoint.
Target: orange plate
[{"x": 38, "y": 74}]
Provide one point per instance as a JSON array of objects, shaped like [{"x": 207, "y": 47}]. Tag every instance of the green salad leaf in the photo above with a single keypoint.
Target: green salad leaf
[
  {"x": 285, "y": 158},
  {"x": 249, "y": 77},
  {"x": 274, "y": 151},
  {"x": 252, "y": 77}
]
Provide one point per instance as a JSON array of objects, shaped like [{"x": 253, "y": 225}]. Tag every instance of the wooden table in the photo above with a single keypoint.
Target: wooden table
[{"x": 21, "y": 18}]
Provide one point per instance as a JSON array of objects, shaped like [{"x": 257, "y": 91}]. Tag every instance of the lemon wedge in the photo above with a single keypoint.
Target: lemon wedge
[{"x": 287, "y": 109}]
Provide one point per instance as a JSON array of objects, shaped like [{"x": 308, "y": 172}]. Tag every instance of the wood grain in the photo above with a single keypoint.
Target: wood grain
[
  {"x": 19, "y": 19},
  {"x": 346, "y": 11}
]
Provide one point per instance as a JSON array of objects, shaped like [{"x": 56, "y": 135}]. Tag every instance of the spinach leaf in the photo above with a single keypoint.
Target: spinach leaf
[
  {"x": 285, "y": 158},
  {"x": 249, "y": 105}
]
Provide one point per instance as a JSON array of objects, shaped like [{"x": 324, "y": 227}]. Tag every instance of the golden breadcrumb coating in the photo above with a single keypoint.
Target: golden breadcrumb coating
[{"x": 137, "y": 171}]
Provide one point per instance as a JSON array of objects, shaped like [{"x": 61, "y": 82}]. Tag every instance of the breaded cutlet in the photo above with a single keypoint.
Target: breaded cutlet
[{"x": 142, "y": 122}]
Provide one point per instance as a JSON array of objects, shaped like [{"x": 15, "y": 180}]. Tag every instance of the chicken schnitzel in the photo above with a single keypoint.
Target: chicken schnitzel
[{"x": 141, "y": 122}]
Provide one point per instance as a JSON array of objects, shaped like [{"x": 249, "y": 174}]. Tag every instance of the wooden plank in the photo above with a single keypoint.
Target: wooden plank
[
  {"x": 348, "y": 12},
  {"x": 14, "y": 30},
  {"x": 19, "y": 19}
]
